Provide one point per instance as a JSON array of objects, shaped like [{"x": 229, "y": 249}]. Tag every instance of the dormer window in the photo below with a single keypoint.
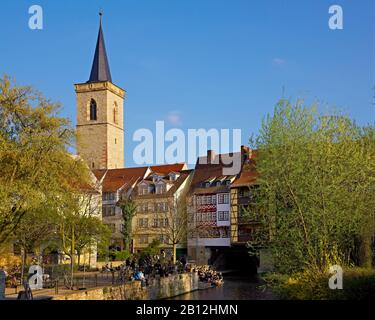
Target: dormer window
[
  {"x": 206, "y": 184},
  {"x": 227, "y": 182},
  {"x": 155, "y": 178},
  {"x": 218, "y": 183},
  {"x": 173, "y": 176}
]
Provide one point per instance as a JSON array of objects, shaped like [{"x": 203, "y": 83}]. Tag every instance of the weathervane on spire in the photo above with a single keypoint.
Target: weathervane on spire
[{"x": 101, "y": 15}]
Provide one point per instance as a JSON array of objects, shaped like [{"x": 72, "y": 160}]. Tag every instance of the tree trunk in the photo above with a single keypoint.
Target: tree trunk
[
  {"x": 90, "y": 256},
  {"x": 23, "y": 263},
  {"x": 72, "y": 249},
  {"x": 174, "y": 253},
  {"x": 365, "y": 250}
]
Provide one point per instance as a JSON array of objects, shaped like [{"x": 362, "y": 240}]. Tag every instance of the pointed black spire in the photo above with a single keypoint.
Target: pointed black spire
[{"x": 100, "y": 67}]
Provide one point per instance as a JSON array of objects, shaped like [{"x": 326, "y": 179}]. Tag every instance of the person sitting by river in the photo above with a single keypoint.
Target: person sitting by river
[{"x": 139, "y": 275}]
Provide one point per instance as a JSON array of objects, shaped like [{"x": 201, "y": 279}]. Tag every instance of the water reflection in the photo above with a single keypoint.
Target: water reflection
[{"x": 234, "y": 288}]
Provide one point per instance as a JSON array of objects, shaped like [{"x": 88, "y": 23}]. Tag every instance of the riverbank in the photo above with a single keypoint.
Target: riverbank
[{"x": 158, "y": 288}]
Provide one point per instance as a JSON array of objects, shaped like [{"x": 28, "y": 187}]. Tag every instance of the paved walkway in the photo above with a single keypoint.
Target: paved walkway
[{"x": 83, "y": 281}]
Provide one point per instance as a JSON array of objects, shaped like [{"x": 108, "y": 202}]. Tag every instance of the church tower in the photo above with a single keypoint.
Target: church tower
[{"x": 100, "y": 114}]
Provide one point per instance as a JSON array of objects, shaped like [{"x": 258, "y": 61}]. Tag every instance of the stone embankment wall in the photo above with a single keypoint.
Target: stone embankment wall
[{"x": 157, "y": 289}]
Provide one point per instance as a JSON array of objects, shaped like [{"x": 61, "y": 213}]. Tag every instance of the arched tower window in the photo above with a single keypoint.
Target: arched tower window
[
  {"x": 93, "y": 110},
  {"x": 115, "y": 113}
]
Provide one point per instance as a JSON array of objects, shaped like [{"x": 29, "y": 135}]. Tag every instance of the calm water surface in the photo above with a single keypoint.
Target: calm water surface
[{"x": 234, "y": 288}]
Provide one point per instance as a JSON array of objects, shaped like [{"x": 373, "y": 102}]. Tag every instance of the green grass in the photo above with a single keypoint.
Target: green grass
[{"x": 358, "y": 284}]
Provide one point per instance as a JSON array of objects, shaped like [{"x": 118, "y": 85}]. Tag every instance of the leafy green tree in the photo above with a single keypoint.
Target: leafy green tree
[
  {"x": 35, "y": 166},
  {"x": 316, "y": 195},
  {"x": 128, "y": 210},
  {"x": 79, "y": 226},
  {"x": 36, "y": 229},
  {"x": 174, "y": 232}
]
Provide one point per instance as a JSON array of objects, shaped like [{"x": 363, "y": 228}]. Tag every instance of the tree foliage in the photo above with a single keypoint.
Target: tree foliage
[
  {"x": 128, "y": 210},
  {"x": 35, "y": 166},
  {"x": 45, "y": 193},
  {"x": 316, "y": 194}
]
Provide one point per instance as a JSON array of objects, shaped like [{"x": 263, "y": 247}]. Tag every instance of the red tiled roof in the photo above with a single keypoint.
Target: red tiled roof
[
  {"x": 167, "y": 168},
  {"x": 245, "y": 179},
  {"x": 116, "y": 178},
  {"x": 248, "y": 173},
  {"x": 184, "y": 174},
  {"x": 99, "y": 173},
  {"x": 205, "y": 172}
]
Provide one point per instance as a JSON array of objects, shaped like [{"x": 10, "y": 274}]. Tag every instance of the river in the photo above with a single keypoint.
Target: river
[{"x": 235, "y": 287}]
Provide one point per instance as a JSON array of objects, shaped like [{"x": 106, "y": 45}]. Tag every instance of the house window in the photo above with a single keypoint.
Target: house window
[
  {"x": 143, "y": 239},
  {"x": 161, "y": 207},
  {"x": 220, "y": 198},
  {"x": 151, "y": 207},
  {"x": 244, "y": 193},
  {"x": 108, "y": 211},
  {"x": 156, "y": 225},
  {"x": 223, "y": 198},
  {"x": 143, "y": 223},
  {"x": 108, "y": 196},
  {"x": 160, "y": 189},
  {"x": 173, "y": 176},
  {"x": 207, "y": 200},
  {"x": 226, "y": 197},
  {"x": 199, "y": 217},
  {"x": 93, "y": 110},
  {"x": 142, "y": 190},
  {"x": 163, "y": 238},
  {"x": 143, "y": 208},
  {"x": 223, "y": 215},
  {"x": 199, "y": 200}
]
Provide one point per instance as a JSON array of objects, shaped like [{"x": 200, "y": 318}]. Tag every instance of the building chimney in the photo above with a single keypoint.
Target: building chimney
[
  {"x": 211, "y": 155},
  {"x": 245, "y": 153}
]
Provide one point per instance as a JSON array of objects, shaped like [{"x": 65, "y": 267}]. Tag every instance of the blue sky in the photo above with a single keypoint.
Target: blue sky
[{"x": 198, "y": 63}]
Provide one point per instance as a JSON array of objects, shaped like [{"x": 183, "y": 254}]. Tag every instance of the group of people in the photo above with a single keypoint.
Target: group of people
[
  {"x": 146, "y": 267},
  {"x": 208, "y": 275}
]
